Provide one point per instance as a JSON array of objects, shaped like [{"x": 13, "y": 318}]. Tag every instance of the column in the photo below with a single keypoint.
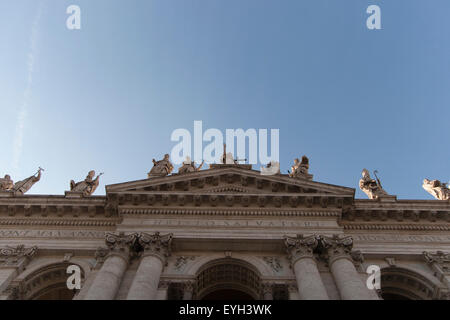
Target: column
[
  {"x": 347, "y": 278},
  {"x": 267, "y": 291},
  {"x": 12, "y": 261},
  {"x": 188, "y": 290},
  {"x": 108, "y": 279},
  {"x": 309, "y": 282},
  {"x": 156, "y": 249}
]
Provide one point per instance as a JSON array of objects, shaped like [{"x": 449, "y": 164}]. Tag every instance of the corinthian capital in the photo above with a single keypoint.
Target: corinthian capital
[
  {"x": 337, "y": 247},
  {"x": 120, "y": 244},
  {"x": 156, "y": 244},
  {"x": 300, "y": 247}
]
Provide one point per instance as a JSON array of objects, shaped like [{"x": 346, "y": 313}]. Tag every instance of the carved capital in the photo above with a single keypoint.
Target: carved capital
[
  {"x": 300, "y": 247},
  {"x": 337, "y": 248},
  {"x": 118, "y": 244},
  {"x": 156, "y": 244},
  {"x": 16, "y": 256}
]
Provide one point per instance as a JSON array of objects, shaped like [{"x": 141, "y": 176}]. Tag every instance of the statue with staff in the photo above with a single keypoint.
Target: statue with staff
[
  {"x": 370, "y": 186},
  {"x": 88, "y": 186},
  {"x": 20, "y": 187}
]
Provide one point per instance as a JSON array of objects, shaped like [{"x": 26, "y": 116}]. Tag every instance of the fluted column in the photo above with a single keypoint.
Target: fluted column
[
  {"x": 348, "y": 280},
  {"x": 156, "y": 249},
  {"x": 108, "y": 279},
  {"x": 309, "y": 281}
]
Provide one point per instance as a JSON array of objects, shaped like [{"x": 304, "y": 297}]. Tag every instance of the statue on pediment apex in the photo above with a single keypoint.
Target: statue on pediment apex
[
  {"x": 161, "y": 168},
  {"x": 437, "y": 189},
  {"x": 189, "y": 166},
  {"x": 370, "y": 186},
  {"x": 300, "y": 168},
  {"x": 88, "y": 186}
]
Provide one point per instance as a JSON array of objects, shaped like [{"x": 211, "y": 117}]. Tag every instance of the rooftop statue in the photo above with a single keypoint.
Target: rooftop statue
[
  {"x": 300, "y": 169},
  {"x": 161, "y": 168},
  {"x": 6, "y": 184},
  {"x": 20, "y": 187},
  {"x": 437, "y": 189},
  {"x": 272, "y": 168},
  {"x": 189, "y": 166},
  {"x": 88, "y": 186},
  {"x": 371, "y": 187},
  {"x": 23, "y": 186}
]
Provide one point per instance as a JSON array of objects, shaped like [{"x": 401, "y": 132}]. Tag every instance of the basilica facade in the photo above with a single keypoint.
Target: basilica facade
[{"x": 226, "y": 232}]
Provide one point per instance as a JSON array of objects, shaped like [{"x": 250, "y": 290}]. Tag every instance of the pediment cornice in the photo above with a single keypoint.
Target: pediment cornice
[{"x": 243, "y": 180}]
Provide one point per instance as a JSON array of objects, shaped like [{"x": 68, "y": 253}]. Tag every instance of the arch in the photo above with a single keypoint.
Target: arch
[
  {"x": 262, "y": 268},
  {"x": 49, "y": 283},
  {"x": 403, "y": 284},
  {"x": 228, "y": 275}
]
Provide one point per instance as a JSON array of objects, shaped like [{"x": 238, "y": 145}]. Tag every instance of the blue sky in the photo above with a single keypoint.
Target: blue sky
[{"x": 107, "y": 97}]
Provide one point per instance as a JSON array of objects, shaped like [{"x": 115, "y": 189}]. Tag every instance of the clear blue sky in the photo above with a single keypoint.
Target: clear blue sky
[{"x": 108, "y": 96}]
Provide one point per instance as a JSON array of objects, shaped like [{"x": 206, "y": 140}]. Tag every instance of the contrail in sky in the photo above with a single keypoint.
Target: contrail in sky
[{"x": 23, "y": 109}]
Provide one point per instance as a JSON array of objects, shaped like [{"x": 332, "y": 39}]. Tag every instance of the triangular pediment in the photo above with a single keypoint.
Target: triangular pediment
[{"x": 228, "y": 180}]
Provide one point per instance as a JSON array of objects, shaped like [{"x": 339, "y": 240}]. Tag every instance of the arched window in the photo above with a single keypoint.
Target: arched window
[
  {"x": 49, "y": 283},
  {"x": 403, "y": 284},
  {"x": 227, "y": 279}
]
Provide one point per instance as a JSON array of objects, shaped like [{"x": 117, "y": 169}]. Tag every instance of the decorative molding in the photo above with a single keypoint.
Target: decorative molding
[
  {"x": 181, "y": 262},
  {"x": 439, "y": 258},
  {"x": 229, "y": 212},
  {"x": 16, "y": 256},
  {"x": 274, "y": 263}
]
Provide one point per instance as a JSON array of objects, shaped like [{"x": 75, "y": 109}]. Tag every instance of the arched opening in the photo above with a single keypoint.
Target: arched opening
[
  {"x": 228, "y": 279},
  {"x": 403, "y": 284},
  {"x": 49, "y": 283}
]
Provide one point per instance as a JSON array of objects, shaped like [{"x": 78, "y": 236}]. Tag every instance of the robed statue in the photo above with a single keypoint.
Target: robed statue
[
  {"x": 20, "y": 187},
  {"x": 161, "y": 168},
  {"x": 88, "y": 186},
  {"x": 371, "y": 187},
  {"x": 23, "y": 186},
  {"x": 300, "y": 168},
  {"x": 437, "y": 189}
]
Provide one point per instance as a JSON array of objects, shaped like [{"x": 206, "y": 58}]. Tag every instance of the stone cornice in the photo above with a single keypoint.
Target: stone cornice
[
  {"x": 37, "y": 207},
  {"x": 60, "y": 222},
  {"x": 227, "y": 212},
  {"x": 246, "y": 200},
  {"x": 229, "y": 173},
  {"x": 407, "y": 227}
]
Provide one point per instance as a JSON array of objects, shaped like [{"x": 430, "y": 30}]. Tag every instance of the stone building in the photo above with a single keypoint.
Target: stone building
[{"x": 227, "y": 232}]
